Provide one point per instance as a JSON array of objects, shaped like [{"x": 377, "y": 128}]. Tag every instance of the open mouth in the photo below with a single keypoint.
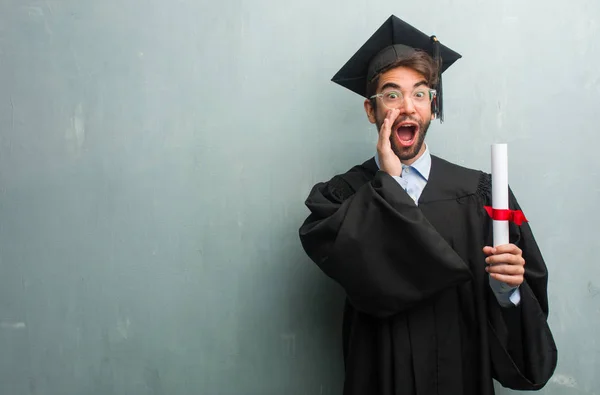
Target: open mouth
[{"x": 406, "y": 133}]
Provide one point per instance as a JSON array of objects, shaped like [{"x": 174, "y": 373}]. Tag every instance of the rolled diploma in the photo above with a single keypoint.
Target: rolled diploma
[{"x": 500, "y": 191}]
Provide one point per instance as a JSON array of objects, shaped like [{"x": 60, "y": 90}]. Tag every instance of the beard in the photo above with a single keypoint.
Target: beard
[{"x": 406, "y": 153}]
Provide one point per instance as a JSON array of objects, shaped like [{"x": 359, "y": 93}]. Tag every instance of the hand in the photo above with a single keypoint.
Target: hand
[
  {"x": 506, "y": 264},
  {"x": 389, "y": 161}
]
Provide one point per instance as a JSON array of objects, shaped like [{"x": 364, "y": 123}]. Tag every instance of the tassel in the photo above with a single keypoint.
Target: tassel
[{"x": 439, "y": 102}]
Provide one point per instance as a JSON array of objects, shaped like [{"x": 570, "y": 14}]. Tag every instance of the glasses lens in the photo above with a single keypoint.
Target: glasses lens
[{"x": 392, "y": 99}]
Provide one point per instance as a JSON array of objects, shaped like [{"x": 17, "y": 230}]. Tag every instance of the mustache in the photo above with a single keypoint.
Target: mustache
[{"x": 405, "y": 118}]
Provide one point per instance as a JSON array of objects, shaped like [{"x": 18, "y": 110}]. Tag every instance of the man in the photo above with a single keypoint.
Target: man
[{"x": 431, "y": 307}]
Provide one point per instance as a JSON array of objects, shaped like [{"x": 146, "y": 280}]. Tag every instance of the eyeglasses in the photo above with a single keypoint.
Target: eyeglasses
[{"x": 393, "y": 99}]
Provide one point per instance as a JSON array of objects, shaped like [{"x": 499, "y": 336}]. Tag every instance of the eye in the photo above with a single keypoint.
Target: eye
[
  {"x": 393, "y": 95},
  {"x": 420, "y": 95}
]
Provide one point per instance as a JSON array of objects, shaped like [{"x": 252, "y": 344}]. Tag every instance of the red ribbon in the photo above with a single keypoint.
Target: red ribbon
[{"x": 515, "y": 216}]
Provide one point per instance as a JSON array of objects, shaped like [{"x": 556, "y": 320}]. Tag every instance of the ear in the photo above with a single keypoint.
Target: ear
[
  {"x": 432, "y": 116},
  {"x": 370, "y": 111}
]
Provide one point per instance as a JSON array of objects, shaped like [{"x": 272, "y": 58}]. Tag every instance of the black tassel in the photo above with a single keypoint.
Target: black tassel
[{"x": 439, "y": 102}]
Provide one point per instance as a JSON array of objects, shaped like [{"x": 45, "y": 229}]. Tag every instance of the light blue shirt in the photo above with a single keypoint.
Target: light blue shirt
[{"x": 413, "y": 180}]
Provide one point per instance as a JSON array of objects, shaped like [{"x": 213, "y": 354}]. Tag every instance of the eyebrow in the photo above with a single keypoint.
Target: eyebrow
[{"x": 396, "y": 86}]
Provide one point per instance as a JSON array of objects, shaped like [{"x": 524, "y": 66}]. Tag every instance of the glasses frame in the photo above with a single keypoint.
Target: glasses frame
[{"x": 432, "y": 96}]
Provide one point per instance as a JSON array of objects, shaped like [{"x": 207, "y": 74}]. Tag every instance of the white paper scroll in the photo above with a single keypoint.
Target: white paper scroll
[{"x": 500, "y": 190}]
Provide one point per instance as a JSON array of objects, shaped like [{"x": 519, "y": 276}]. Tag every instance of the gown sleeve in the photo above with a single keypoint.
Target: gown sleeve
[
  {"x": 523, "y": 351},
  {"x": 377, "y": 245}
]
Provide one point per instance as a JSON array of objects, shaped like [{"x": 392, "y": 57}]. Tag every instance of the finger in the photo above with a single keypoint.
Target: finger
[
  {"x": 507, "y": 259},
  {"x": 510, "y": 280},
  {"x": 506, "y": 269},
  {"x": 507, "y": 249},
  {"x": 386, "y": 128},
  {"x": 502, "y": 249},
  {"x": 384, "y": 133}
]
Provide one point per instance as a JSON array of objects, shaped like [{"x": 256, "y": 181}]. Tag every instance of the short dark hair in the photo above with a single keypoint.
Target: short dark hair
[{"x": 419, "y": 61}]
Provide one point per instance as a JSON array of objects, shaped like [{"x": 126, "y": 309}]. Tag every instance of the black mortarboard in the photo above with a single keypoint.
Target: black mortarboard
[{"x": 393, "y": 40}]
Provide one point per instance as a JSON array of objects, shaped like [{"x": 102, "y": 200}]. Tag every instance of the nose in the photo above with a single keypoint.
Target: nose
[{"x": 407, "y": 106}]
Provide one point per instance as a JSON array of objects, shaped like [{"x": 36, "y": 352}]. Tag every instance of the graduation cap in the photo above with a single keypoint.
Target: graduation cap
[{"x": 394, "y": 40}]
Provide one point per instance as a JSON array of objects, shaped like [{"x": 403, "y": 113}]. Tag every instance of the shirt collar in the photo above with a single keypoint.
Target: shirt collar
[{"x": 421, "y": 165}]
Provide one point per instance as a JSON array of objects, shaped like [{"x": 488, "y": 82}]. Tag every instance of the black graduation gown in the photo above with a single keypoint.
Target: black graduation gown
[{"x": 420, "y": 316}]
